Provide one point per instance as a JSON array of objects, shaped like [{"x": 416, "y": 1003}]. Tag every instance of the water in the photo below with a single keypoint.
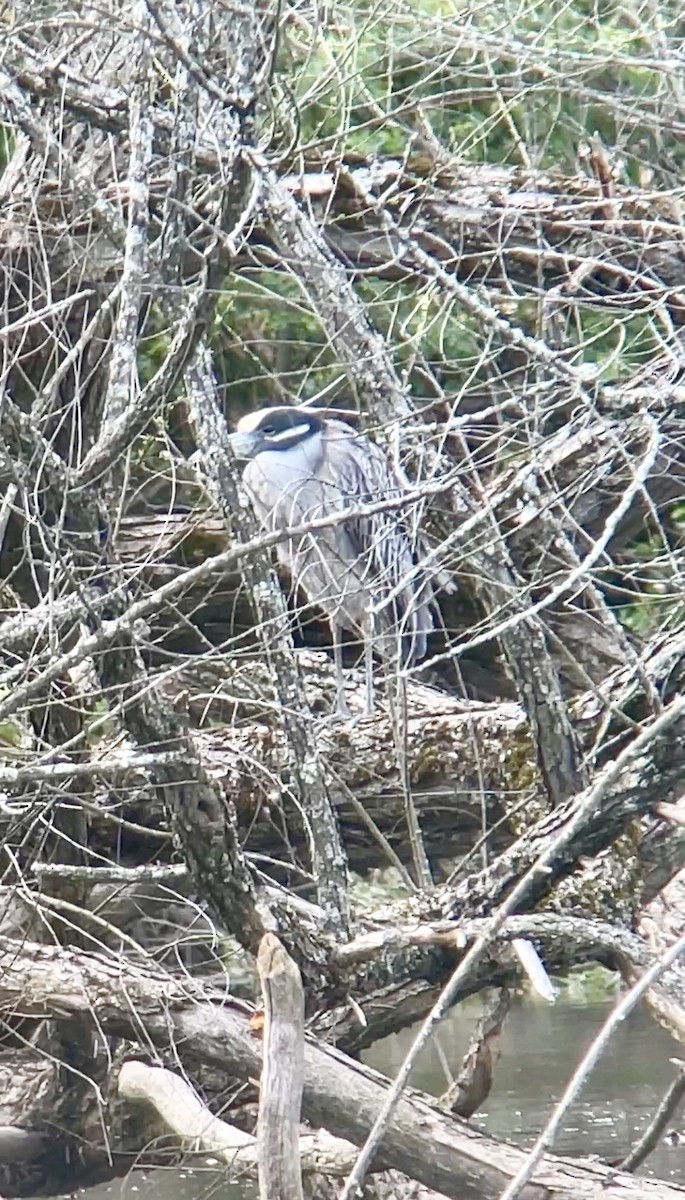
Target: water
[
  {"x": 190, "y": 1183},
  {"x": 541, "y": 1046}
]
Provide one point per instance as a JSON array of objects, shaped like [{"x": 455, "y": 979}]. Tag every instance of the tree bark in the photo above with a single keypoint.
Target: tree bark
[
  {"x": 440, "y": 1151},
  {"x": 280, "y": 1085}
]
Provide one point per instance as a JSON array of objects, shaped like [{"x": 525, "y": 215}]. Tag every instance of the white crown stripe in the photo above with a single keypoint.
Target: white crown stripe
[{"x": 288, "y": 434}]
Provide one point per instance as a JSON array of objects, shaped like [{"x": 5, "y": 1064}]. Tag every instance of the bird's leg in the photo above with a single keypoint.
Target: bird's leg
[
  {"x": 368, "y": 664},
  {"x": 340, "y": 702}
]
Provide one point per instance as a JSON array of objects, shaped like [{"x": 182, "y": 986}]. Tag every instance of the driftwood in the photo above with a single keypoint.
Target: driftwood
[
  {"x": 279, "y": 1153},
  {"x": 443, "y": 1153},
  {"x": 325, "y": 1160},
  {"x": 280, "y": 1085},
  {"x": 658, "y": 1125},
  {"x": 183, "y": 1112},
  {"x": 467, "y": 1092},
  {"x": 138, "y": 183}
]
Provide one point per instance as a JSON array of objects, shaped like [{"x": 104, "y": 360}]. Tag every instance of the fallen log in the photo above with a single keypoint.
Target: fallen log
[
  {"x": 325, "y": 1160},
  {"x": 280, "y": 1085},
  {"x": 440, "y": 1151}
]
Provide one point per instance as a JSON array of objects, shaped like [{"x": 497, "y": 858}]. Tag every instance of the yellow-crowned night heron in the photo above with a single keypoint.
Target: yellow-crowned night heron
[{"x": 363, "y": 572}]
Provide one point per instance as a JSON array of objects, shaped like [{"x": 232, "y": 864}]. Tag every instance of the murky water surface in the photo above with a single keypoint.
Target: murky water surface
[{"x": 541, "y": 1046}]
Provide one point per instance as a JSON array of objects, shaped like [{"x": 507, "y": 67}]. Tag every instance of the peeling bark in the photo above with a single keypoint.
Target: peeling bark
[
  {"x": 164, "y": 747},
  {"x": 337, "y": 1091}
]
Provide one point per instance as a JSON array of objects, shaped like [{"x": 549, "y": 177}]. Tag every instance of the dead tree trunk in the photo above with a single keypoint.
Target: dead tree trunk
[{"x": 183, "y": 238}]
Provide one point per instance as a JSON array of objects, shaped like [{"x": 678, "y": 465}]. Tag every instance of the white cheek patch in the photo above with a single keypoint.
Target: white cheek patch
[{"x": 296, "y": 431}]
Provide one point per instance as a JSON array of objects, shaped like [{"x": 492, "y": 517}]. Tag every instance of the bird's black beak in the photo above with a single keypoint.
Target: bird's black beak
[{"x": 246, "y": 445}]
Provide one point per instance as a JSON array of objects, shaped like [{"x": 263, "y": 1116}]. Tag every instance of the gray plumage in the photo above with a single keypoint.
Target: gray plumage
[{"x": 303, "y": 466}]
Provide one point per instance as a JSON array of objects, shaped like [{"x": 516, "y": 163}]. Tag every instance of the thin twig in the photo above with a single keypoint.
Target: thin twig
[
  {"x": 588, "y": 1064},
  {"x": 666, "y": 1110},
  {"x": 585, "y": 806}
]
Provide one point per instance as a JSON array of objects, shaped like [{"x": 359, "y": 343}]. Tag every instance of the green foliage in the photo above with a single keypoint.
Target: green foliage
[
  {"x": 588, "y": 985},
  {"x": 152, "y": 351},
  {"x": 15, "y": 736},
  {"x": 102, "y": 726},
  {"x": 488, "y": 78},
  {"x": 12, "y": 735},
  {"x": 369, "y": 892},
  {"x": 617, "y": 345},
  {"x": 268, "y": 343},
  {"x": 658, "y": 603}
]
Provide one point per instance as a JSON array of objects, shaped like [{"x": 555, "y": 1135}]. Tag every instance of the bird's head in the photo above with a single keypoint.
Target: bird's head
[{"x": 272, "y": 429}]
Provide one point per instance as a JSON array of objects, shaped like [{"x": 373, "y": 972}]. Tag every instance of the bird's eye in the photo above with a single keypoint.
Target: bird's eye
[{"x": 269, "y": 430}]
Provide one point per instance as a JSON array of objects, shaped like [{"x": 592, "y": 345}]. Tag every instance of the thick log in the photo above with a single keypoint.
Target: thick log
[
  {"x": 469, "y": 763},
  {"x": 441, "y": 1152},
  {"x": 325, "y": 1160},
  {"x": 492, "y": 212},
  {"x": 280, "y": 1086}
]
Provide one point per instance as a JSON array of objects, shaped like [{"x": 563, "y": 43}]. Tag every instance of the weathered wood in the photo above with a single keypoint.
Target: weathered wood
[
  {"x": 440, "y": 1151},
  {"x": 280, "y": 1088},
  {"x": 182, "y": 1111},
  {"x": 491, "y": 212},
  {"x": 471, "y": 1088},
  {"x": 20, "y": 1145},
  {"x": 325, "y": 1160}
]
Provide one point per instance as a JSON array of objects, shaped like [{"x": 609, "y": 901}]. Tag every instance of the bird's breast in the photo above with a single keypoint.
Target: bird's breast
[{"x": 287, "y": 489}]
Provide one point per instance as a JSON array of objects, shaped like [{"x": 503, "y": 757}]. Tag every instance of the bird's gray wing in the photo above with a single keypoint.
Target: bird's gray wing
[
  {"x": 384, "y": 542},
  {"x": 293, "y": 488}
]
